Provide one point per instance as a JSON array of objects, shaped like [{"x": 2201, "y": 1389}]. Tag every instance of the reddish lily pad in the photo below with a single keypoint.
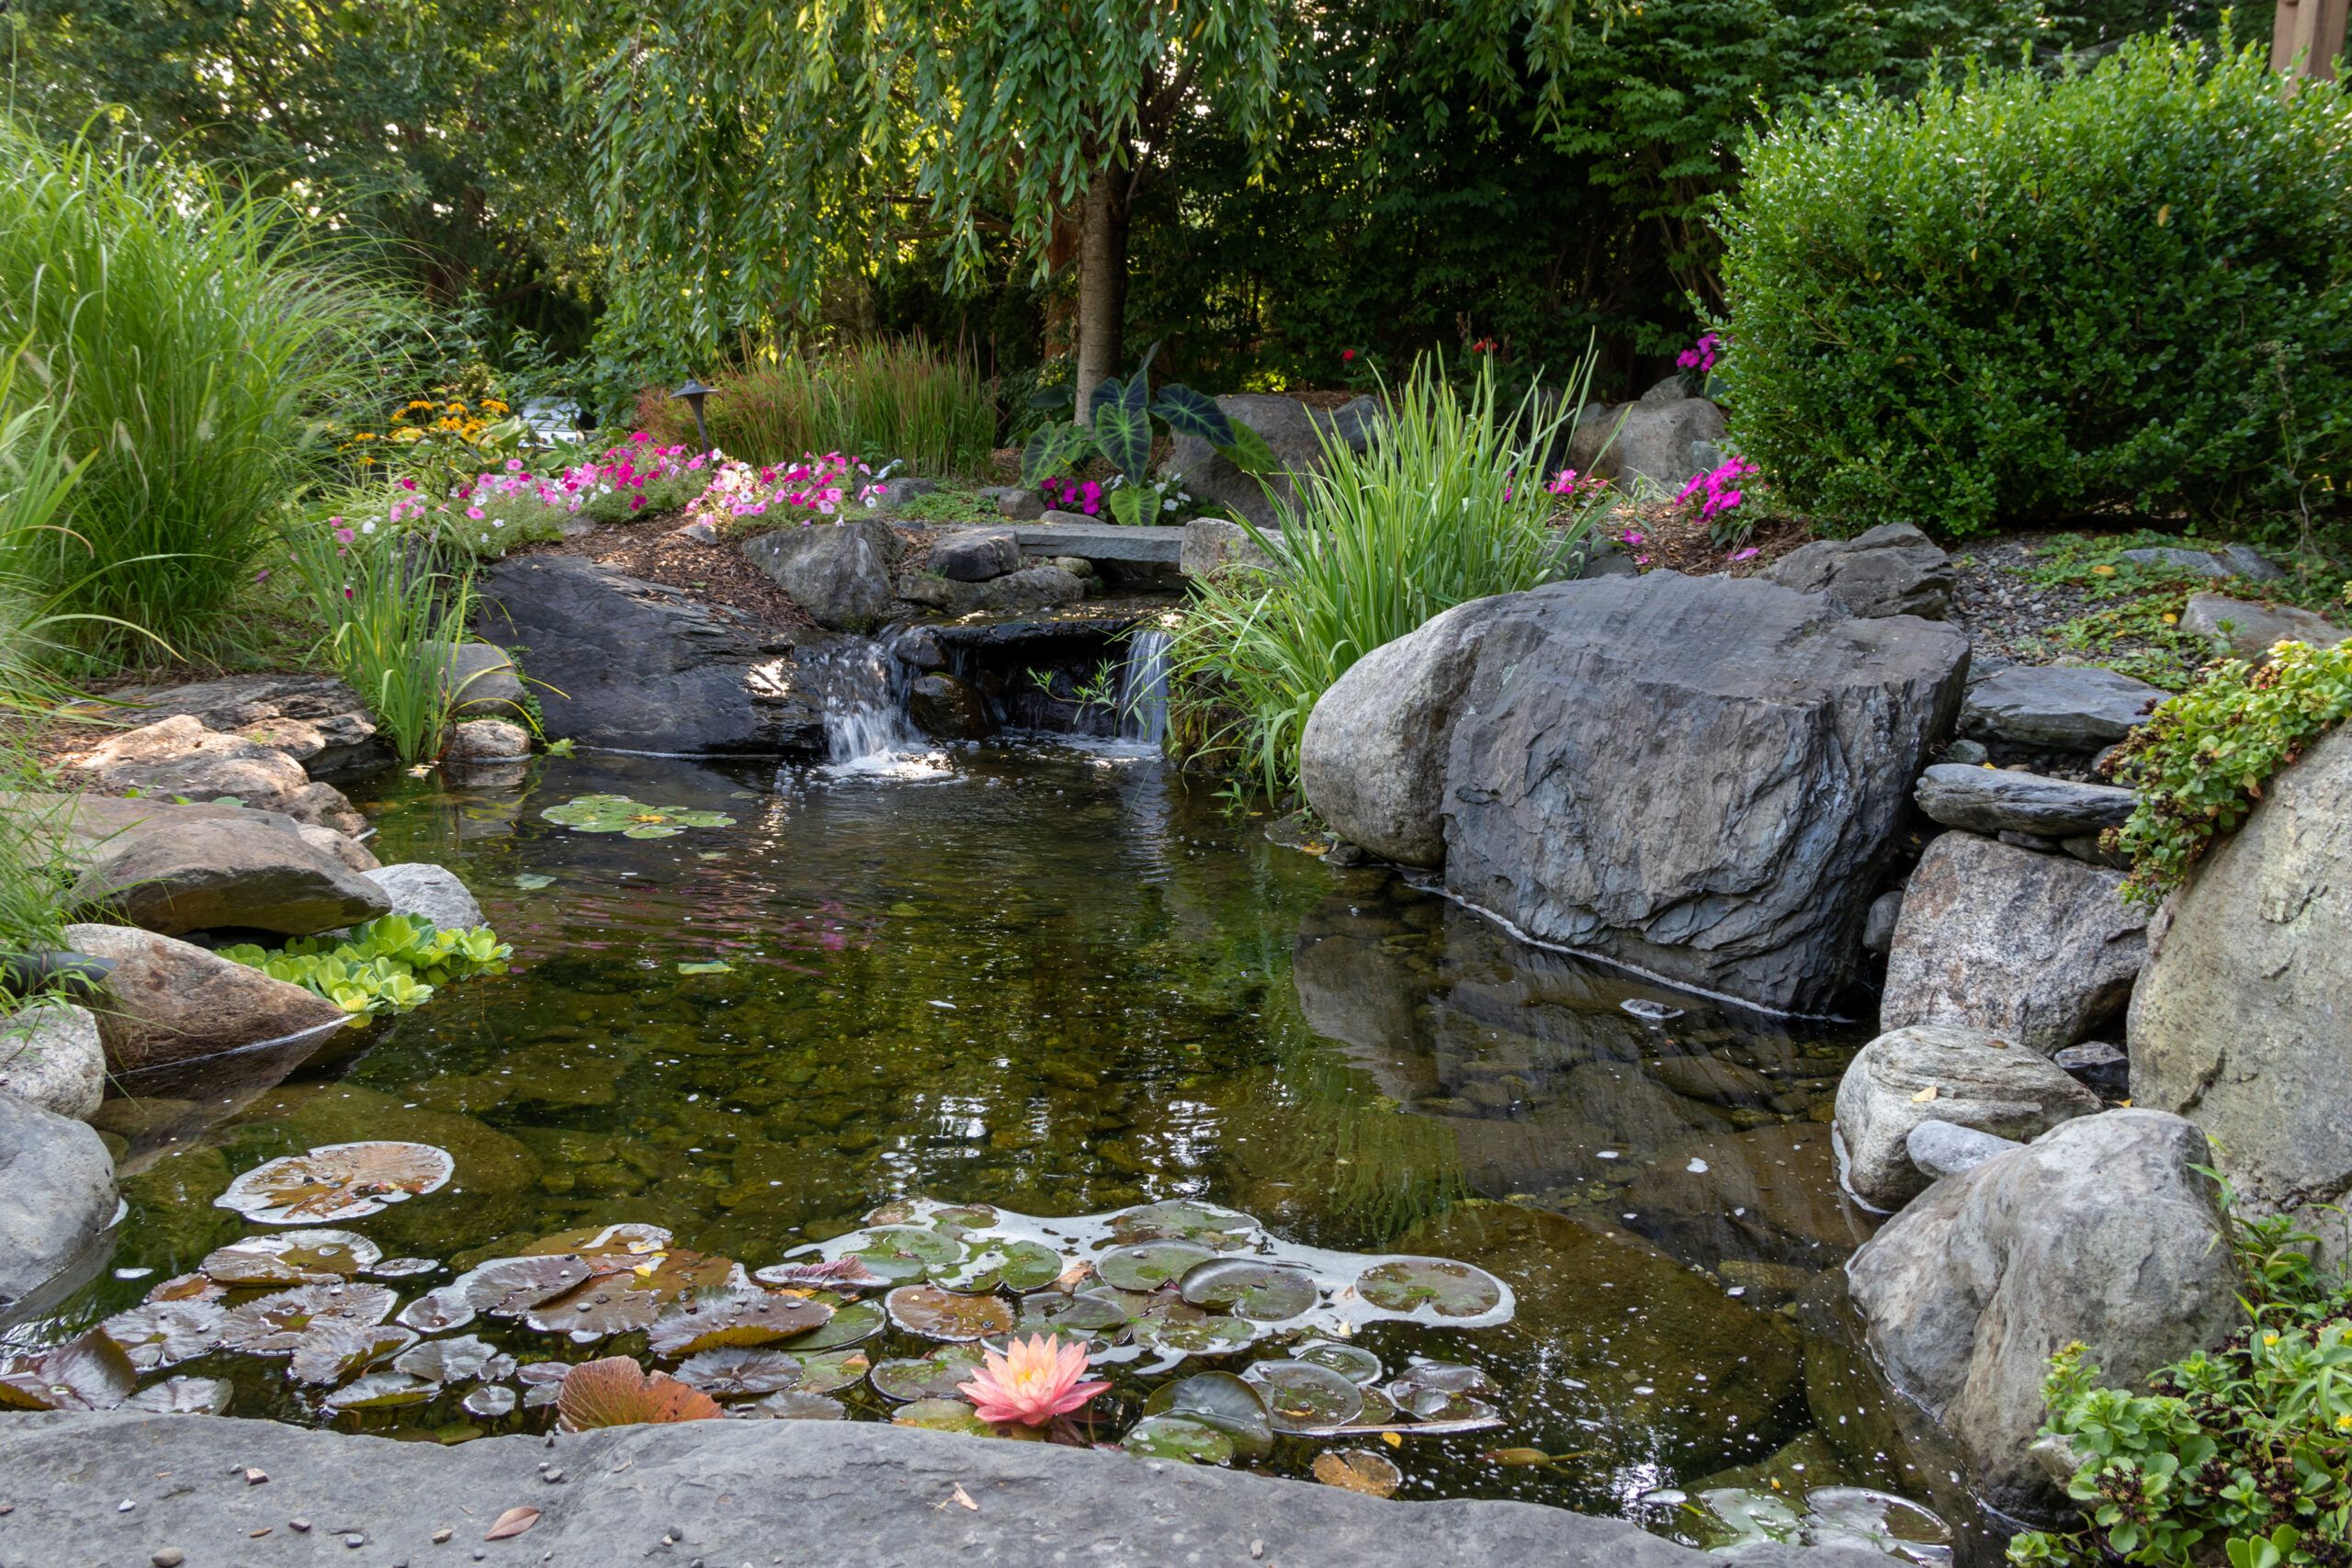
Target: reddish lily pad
[
  {"x": 842, "y": 1274},
  {"x": 184, "y": 1396},
  {"x": 88, "y": 1373},
  {"x": 436, "y": 1310},
  {"x": 628, "y": 1239},
  {"x": 292, "y": 1258},
  {"x": 941, "y": 1315},
  {"x": 337, "y": 1181},
  {"x": 274, "y": 1324},
  {"x": 1359, "y": 1470},
  {"x": 163, "y": 1334},
  {"x": 335, "y": 1348},
  {"x": 750, "y": 1317},
  {"x": 509, "y": 1287},
  {"x": 616, "y": 1392},
  {"x": 1429, "y": 1286},
  {"x": 1263, "y": 1292},
  {"x": 188, "y": 1288},
  {"x": 399, "y": 1267},
  {"x": 738, "y": 1371},
  {"x": 597, "y": 1310},
  {"x": 1146, "y": 1265}
]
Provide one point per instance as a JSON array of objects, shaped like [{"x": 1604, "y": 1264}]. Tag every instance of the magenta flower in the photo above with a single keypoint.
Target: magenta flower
[{"x": 344, "y": 536}]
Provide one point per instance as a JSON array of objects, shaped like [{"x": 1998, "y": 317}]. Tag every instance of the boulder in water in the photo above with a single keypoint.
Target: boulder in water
[
  {"x": 57, "y": 1198},
  {"x": 949, "y": 707}
]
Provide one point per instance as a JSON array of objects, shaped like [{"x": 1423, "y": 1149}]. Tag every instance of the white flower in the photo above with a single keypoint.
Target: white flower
[{"x": 368, "y": 527}]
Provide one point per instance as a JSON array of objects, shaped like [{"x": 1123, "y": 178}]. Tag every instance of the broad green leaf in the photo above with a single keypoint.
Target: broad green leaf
[
  {"x": 1122, "y": 417},
  {"x": 1189, "y": 413}
]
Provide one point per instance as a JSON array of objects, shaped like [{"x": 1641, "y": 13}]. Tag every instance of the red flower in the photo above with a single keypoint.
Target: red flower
[{"x": 1346, "y": 354}]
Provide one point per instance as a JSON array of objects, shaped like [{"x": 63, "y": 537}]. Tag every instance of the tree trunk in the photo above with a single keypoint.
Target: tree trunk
[{"x": 1101, "y": 283}]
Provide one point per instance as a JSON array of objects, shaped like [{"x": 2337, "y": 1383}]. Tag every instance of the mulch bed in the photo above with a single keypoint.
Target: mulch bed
[{"x": 715, "y": 574}]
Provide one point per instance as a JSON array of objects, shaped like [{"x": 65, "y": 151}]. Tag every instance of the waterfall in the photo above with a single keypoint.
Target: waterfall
[
  {"x": 855, "y": 685},
  {"x": 1143, "y": 688}
]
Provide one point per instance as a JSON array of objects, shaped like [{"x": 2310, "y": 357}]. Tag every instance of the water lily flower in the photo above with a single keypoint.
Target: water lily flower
[{"x": 1036, "y": 1379}]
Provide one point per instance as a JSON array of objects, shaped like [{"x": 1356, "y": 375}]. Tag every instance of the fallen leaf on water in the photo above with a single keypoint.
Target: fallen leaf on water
[
  {"x": 1516, "y": 1456},
  {"x": 1923, "y": 1096},
  {"x": 512, "y": 1522},
  {"x": 1392, "y": 1439},
  {"x": 1357, "y": 1471},
  {"x": 715, "y": 966}
]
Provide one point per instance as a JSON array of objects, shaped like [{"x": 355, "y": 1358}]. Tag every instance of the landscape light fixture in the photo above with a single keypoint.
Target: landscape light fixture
[{"x": 693, "y": 392}]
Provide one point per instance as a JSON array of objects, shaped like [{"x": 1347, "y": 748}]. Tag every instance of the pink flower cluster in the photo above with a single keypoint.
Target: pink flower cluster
[
  {"x": 1700, "y": 356},
  {"x": 1569, "y": 484},
  {"x": 1073, "y": 495},
  {"x": 1717, "y": 491},
  {"x": 813, "y": 485},
  {"x": 1633, "y": 539}
]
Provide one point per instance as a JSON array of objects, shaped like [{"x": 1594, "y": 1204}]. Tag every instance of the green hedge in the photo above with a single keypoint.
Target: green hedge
[{"x": 2015, "y": 298}]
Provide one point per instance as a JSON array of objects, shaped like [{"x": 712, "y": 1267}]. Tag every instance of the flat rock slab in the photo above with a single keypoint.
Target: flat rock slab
[
  {"x": 1996, "y": 800},
  {"x": 728, "y": 1491},
  {"x": 2252, "y": 629},
  {"x": 2056, "y": 707},
  {"x": 1095, "y": 541}
]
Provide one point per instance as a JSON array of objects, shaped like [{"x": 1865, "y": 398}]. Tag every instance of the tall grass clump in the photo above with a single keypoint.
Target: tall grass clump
[
  {"x": 190, "y": 336},
  {"x": 880, "y": 399},
  {"x": 1446, "y": 503}
]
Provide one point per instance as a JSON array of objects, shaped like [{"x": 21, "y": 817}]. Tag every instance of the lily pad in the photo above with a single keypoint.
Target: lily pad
[
  {"x": 490, "y": 1401},
  {"x": 509, "y": 1287},
  {"x": 1218, "y": 1400},
  {"x": 793, "y": 1405},
  {"x": 1303, "y": 1397},
  {"x": 943, "y": 1416},
  {"x": 292, "y": 1258},
  {"x": 902, "y": 1254},
  {"x": 961, "y": 1217},
  {"x": 616, "y": 1392},
  {"x": 1087, "y": 1315},
  {"x": 850, "y": 1324},
  {"x": 436, "y": 1311},
  {"x": 841, "y": 1274},
  {"x": 87, "y": 1373},
  {"x": 382, "y": 1391},
  {"x": 1175, "y": 1437},
  {"x": 532, "y": 881},
  {"x": 399, "y": 1267},
  {"x": 1148, "y": 1264},
  {"x": 598, "y": 1309},
  {"x": 336, "y": 1182},
  {"x": 274, "y": 1324},
  {"x": 628, "y": 1239},
  {"x": 706, "y": 966},
  {"x": 936, "y": 1313},
  {"x": 455, "y": 1361},
  {"x": 1359, "y": 1470},
  {"x": 752, "y": 1316},
  {"x": 1015, "y": 1264},
  {"x": 1430, "y": 1285},
  {"x": 187, "y": 1288},
  {"x": 740, "y": 1371},
  {"x": 1263, "y": 1292},
  {"x": 162, "y": 1334},
  {"x": 833, "y": 1369},
  {"x": 1219, "y": 1230},
  {"x": 935, "y": 1376},
  {"x": 1442, "y": 1391},
  {"x": 1191, "y": 1332},
  {"x": 336, "y": 1348},
  {"x": 184, "y": 1396},
  {"x": 1354, "y": 1362},
  {"x": 631, "y": 818}
]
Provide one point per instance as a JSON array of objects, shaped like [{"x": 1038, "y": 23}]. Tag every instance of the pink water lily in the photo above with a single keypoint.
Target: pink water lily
[{"x": 1036, "y": 1379}]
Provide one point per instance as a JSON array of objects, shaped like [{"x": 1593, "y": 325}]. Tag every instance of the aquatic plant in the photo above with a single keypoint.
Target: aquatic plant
[
  {"x": 1034, "y": 1380},
  {"x": 631, "y": 818},
  {"x": 336, "y": 1182},
  {"x": 389, "y": 964}
]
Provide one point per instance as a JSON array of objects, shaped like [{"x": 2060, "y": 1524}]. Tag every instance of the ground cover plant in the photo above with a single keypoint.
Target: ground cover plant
[{"x": 2017, "y": 299}]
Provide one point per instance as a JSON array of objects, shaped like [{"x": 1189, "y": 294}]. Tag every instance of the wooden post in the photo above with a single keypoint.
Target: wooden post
[{"x": 2312, "y": 30}]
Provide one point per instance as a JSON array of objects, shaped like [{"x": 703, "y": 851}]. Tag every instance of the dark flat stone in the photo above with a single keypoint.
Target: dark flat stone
[
  {"x": 1101, "y": 541},
  {"x": 2060, "y": 707},
  {"x": 1995, "y": 800}
]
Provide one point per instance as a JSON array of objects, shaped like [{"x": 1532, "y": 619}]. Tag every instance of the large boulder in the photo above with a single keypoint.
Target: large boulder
[
  {"x": 429, "y": 892},
  {"x": 2251, "y": 630},
  {"x": 2057, "y": 707},
  {"x": 949, "y": 707},
  {"x": 50, "y": 1057},
  {"x": 2100, "y": 1231},
  {"x": 2038, "y": 949},
  {"x": 57, "y": 1198},
  {"x": 839, "y": 572},
  {"x": 976, "y": 555},
  {"x": 483, "y": 681},
  {"x": 316, "y": 719},
  {"x": 2243, "y": 1016},
  {"x": 1015, "y": 593},
  {"x": 1699, "y": 777},
  {"x": 1658, "y": 442},
  {"x": 1969, "y": 1079},
  {"x": 2000, "y": 800},
  {"x": 1893, "y": 569},
  {"x": 82, "y": 829},
  {"x": 1214, "y": 546},
  {"x": 179, "y": 756},
  {"x": 206, "y": 875},
  {"x": 640, "y": 666},
  {"x": 169, "y": 1000},
  {"x": 1295, "y": 433}
]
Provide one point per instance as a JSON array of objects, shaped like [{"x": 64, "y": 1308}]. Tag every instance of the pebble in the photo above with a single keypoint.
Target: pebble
[
  {"x": 170, "y": 1557},
  {"x": 255, "y": 1477},
  {"x": 441, "y": 1537},
  {"x": 354, "y": 1541},
  {"x": 299, "y": 1527},
  {"x": 126, "y": 1506}
]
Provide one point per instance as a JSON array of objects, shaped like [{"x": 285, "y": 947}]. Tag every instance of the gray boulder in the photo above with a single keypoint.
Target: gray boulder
[
  {"x": 347, "y": 852},
  {"x": 1657, "y": 442},
  {"x": 839, "y": 572},
  {"x": 2000, "y": 800},
  {"x": 2243, "y": 1014},
  {"x": 488, "y": 741},
  {"x": 179, "y": 756},
  {"x": 1972, "y": 1079},
  {"x": 2098, "y": 1066},
  {"x": 1295, "y": 434},
  {"x": 1017, "y": 503},
  {"x": 2196, "y": 561},
  {"x": 1015, "y": 593},
  {"x": 50, "y": 1057},
  {"x": 1893, "y": 570},
  {"x": 949, "y": 708},
  {"x": 206, "y": 875},
  {"x": 2251, "y": 629},
  {"x": 317, "y": 720},
  {"x": 1214, "y": 545},
  {"x": 2037, "y": 948},
  {"x": 1701, "y": 778},
  {"x": 1878, "y": 927},
  {"x": 57, "y": 1198},
  {"x": 1373, "y": 758},
  {"x": 976, "y": 555},
  {"x": 2251, "y": 563},
  {"x": 892, "y": 495},
  {"x": 640, "y": 667},
  {"x": 2099, "y": 1232},
  {"x": 483, "y": 681},
  {"x": 1945, "y": 1148},
  {"x": 170, "y": 1001},
  {"x": 429, "y": 892},
  {"x": 2057, "y": 707}
]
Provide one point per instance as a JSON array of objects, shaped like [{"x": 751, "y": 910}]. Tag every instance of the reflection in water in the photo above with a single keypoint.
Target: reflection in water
[{"x": 1059, "y": 982}]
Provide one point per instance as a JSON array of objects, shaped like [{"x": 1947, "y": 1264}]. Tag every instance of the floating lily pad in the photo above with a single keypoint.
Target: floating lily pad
[
  {"x": 850, "y": 1324},
  {"x": 942, "y": 1314},
  {"x": 616, "y": 1392},
  {"x": 1359, "y": 1470},
  {"x": 598, "y": 1309},
  {"x": 631, "y": 818},
  {"x": 455, "y": 1361},
  {"x": 740, "y": 1371},
  {"x": 436, "y": 1310},
  {"x": 399, "y": 1267},
  {"x": 1148, "y": 1264},
  {"x": 88, "y": 1373},
  {"x": 509, "y": 1287},
  {"x": 1017, "y": 1265},
  {"x": 841, "y": 1274},
  {"x": 187, "y": 1288},
  {"x": 1263, "y": 1292},
  {"x": 274, "y": 1324},
  {"x": 906, "y": 1253},
  {"x": 490, "y": 1401},
  {"x": 628, "y": 1239},
  {"x": 293, "y": 1258},
  {"x": 1442, "y": 1391},
  {"x": 532, "y": 881},
  {"x": 935, "y": 1376},
  {"x": 184, "y": 1396},
  {"x": 793, "y": 1405},
  {"x": 162, "y": 1334},
  {"x": 1174, "y": 1437},
  {"x": 1219, "y": 1230},
  {"x": 1437, "y": 1285},
  {"x": 1088, "y": 1314},
  {"x": 832, "y": 1369},
  {"x": 943, "y": 1416},
  {"x": 1191, "y": 1332},
  {"x": 1303, "y": 1397},
  {"x": 751, "y": 1317},
  {"x": 382, "y": 1391},
  {"x": 962, "y": 1217},
  {"x": 1218, "y": 1400},
  {"x": 1354, "y": 1362},
  {"x": 336, "y": 1182},
  {"x": 336, "y": 1350}
]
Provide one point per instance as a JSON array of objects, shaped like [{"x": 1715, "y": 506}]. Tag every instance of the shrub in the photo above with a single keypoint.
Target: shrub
[
  {"x": 1447, "y": 505},
  {"x": 880, "y": 399},
  {"x": 2016, "y": 298},
  {"x": 190, "y": 336},
  {"x": 2200, "y": 760}
]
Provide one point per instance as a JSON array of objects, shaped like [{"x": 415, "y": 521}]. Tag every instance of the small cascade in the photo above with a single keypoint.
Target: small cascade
[
  {"x": 856, "y": 684},
  {"x": 1143, "y": 688}
]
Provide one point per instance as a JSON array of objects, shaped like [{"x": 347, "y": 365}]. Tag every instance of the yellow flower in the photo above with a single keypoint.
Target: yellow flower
[
  {"x": 2102, "y": 571},
  {"x": 2343, "y": 1422},
  {"x": 2271, "y": 1339},
  {"x": 495, "y": 406},
  {"x": 364, "y": 436},
  {"x": 455, "y": 408},
  {"x": 422, "y": 404}
]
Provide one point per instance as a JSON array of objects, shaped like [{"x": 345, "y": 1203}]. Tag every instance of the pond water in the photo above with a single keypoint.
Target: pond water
[{"x": 1062, "y": 981}]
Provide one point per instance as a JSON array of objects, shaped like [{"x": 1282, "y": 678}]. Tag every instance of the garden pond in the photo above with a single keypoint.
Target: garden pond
[{"x": 1027, "y": 1008}]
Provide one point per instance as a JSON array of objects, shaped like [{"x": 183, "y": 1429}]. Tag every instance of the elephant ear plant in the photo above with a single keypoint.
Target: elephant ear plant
[{"x": 1119, "y": 430}]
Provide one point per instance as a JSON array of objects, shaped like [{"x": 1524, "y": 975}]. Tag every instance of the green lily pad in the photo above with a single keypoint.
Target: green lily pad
[
  {"x": 532, "y": 881},
  {"x": 381, "y": 1391},
  {"x": 1191, "y": 1332},
  {"x": 1263, "y": 1292},
  {"x": 1354, "y": 1362},
  {"x": 850, "y": 1324},
  {"x": 1174, "y": 1437},
  {"x": 631, "y": 818},
  {"x": 1303, "y": 1397},
  {"x": 1219, "y": 1230},
  {"x": 1439, "y": 1285},
  {"x": 833, "y": 1369},
  {"x": 1218, "y": 1400},
  {"x": 793, "y": 1405},
  {"x": 959, "y": 1218},
  {"x": 1016, "y": 1265},
  {"x": 1443, "y": 1391},
  {"x": 943, "y": 1416},
  {"x": 906, "y": 1253},
  {"x": 1148, "y": 1264},
  {"x": 1088, "y": 1314},
  {"x": 935, "y": 1376},
  {"x": 942, "y": 1314}
]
